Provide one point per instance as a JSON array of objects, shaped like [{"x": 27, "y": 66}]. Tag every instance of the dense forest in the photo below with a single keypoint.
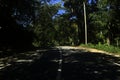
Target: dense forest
[{"x": 25, "y": 24}]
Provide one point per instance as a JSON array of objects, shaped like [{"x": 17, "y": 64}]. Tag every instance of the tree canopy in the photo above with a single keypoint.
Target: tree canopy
[{"x": 38, "y": 23}]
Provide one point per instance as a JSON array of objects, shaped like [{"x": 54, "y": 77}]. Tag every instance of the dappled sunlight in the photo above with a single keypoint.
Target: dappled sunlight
[
  {"x": 33, "y": 65},
  {"x": 24, "y": 61},
  {"x": 90, "y": 66},
  {"x": 60, "y": 64},
  {"x": 21, "y": 58}
]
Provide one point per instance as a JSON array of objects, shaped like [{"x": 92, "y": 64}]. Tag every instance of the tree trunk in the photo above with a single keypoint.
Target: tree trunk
[
  {"x": 85, "y": 21},
  {"x": 108, "y": 41}
]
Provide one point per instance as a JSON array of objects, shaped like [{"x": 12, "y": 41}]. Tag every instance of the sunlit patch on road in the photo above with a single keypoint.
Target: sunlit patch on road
[
  {"x": 61, "y": 63},
  {"x": 24, "y": 61},
  {"x": 20, "y": 58}
]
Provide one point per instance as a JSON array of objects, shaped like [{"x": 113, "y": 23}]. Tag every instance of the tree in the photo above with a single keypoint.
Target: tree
[
  {"x": 105, "y": 21},
  {"x": 115, "y": 20},
  {"x": 43, "y": 24},
  {"x": 76, "y": 8},
  {"x": 66, "y": 29},
  {"x": 85, "y": 22},
  {"x": 14, "y": 17},
  {"x": 100, "y": 18}
]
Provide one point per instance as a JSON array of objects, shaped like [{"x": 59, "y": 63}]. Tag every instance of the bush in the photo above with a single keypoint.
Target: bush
[{"x": 105, "y": 47}]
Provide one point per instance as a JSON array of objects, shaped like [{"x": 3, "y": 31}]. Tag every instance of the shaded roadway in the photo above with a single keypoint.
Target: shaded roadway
[{"x": 76, "y": 65}]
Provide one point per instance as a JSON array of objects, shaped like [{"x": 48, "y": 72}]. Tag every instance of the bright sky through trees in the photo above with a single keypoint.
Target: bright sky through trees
[
  {"x": 61, "y": 11},
  {"x": 55, "y": 1}
]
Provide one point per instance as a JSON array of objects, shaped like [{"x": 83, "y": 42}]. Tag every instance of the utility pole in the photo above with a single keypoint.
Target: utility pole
[{"x": 84, "y": 7}]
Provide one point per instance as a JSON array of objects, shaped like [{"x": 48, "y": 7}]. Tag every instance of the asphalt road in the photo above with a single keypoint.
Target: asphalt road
[{"x": 61, "y": 64}]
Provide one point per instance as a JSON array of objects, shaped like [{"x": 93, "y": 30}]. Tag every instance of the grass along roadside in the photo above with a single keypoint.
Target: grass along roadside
[{"x": 104, "y": 48}]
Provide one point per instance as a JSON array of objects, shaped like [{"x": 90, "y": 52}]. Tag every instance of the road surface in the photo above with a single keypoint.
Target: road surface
[{"x": 61, "y": 63}]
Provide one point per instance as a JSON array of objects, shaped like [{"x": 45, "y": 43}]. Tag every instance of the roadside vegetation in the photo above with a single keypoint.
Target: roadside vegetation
[
  {"x": 29, "y": 24},
  {"x": 104, "y": 47}
]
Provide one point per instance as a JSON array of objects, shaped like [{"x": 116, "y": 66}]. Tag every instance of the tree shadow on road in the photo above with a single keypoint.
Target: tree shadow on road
[
  {"x": 43, "y": 68},
  {"x": 90, "y": 66},
  {"x": 76, "y": 65}
]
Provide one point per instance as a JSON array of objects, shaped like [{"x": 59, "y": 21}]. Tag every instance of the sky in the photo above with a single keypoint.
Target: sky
[
  {"x": 55, "y": 1},
  {"x": 61, "y": 11}
]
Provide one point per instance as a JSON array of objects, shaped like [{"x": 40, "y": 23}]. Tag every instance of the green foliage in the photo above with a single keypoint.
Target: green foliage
[
  {"x": 103, "y": 47},
  {"x": 43, "y": 26},
  {"x": 100, "y": 19},
  {"x": 67, "y": 30},
  {"x": 39, "y": 20}
]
